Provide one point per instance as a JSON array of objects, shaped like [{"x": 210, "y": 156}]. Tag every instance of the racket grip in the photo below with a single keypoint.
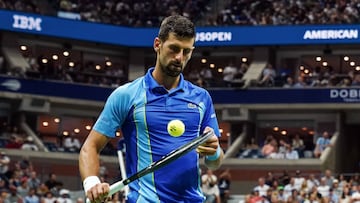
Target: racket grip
[{"x": 114, "y": 188}]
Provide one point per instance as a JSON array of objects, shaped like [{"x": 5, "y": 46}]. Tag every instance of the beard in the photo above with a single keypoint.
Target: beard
[{"x": 172, "y": 69}]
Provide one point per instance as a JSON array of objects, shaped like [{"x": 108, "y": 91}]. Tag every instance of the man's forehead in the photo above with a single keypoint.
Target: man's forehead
[{"x": 183, "y": 42}]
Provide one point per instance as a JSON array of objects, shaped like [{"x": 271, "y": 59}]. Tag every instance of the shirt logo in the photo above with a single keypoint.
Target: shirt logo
[{"x": 191, "y": 106}]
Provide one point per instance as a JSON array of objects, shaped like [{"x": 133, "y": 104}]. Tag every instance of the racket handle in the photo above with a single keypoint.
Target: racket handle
[{"x": 114, "y": 188}]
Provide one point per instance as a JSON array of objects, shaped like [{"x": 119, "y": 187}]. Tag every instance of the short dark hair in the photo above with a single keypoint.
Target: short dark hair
[{"x": 179, "y": 25}]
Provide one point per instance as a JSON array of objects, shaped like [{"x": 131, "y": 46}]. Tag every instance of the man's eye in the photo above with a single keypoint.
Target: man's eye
[
  {"x": 187, "y": 51},
  {"x": 175, "y": 49}
]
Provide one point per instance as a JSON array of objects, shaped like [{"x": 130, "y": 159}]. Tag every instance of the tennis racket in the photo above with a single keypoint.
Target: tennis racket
[{"x": 166, "y": 159}]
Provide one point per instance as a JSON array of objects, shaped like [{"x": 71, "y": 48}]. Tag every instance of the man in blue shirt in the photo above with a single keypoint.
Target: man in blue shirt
[
  {"x": 321, "y": 144},
  {"x": 142, "y": 110}
]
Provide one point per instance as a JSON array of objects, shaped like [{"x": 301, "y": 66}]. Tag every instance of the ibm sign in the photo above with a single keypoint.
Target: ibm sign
[{"x": 26, "y": 22}]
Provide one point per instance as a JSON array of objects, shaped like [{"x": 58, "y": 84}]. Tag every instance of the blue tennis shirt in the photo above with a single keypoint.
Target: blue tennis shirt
[{"x": 142, "y": 109}]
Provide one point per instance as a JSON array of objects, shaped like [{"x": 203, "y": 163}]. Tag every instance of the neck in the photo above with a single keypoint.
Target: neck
[{"x": 164, "y": 80}]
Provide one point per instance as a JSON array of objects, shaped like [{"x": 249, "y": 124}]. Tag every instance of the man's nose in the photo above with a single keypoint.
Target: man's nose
[{"x": 179, "y": 56}]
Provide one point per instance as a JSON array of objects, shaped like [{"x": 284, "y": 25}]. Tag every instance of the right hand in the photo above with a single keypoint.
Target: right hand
[{"x": 98, "y": 193}]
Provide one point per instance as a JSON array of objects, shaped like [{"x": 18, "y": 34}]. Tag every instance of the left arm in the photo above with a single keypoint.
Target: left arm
[{"x": 212, "y": 151}]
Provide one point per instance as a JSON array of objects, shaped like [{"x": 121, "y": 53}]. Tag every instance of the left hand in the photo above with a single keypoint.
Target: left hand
[{"x": 210, "y": 146}]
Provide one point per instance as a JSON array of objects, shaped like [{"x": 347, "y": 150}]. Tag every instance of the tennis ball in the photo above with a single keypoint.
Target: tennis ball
[{"x": 176, "y": 128}]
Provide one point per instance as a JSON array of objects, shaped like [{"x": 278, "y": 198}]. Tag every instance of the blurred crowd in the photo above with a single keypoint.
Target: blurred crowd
[
  {"x": 283, "y": 12},
  {"x": 306, "y": 188},
  {"x": 216, "y": 188},
  {"x": 282, "y": 148},
  {"x": 314, "y": 77},
  {"x": 132, "y": 13},
  {"x": 286, "y": 187},
  {"x": 20, "y": 183},
  {"x": 239, "y": 12},
  {"x": 235, "y": 12},
  {"x": 12, "y": 137}
]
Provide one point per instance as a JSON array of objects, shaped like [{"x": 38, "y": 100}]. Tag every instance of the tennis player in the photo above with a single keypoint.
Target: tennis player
[{"x": 142, "y": 109}]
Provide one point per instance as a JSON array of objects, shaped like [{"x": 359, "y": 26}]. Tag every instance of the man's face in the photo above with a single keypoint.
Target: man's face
[{"x": 173, "y": 54}]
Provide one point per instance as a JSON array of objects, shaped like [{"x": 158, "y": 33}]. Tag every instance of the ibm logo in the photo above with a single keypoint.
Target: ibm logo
[{"x": 27, "y": 22}]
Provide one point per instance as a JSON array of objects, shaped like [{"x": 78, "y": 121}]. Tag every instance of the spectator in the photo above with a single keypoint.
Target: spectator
[
  {"x": 321, "y": 143},
  {"x": 290, "y": 153},
  {"x": 298, "y": 145},
  {"x": 355, "y": 179},
  {"x": 42, "y": 190},
  {"x": 261, "y": 187},
  {"x": 269, "y": 148},
  {"x": 103, "y": 171},
  {"x": 251, "y": 149},
  {"x": 29, "y": 144},
  {"x": 24, "y": 166},
  {"x": 71, "y": 144},
  {"x": 298, "y": 179},
  {"x": 268, "y": 196},
  {"x": 267, "y": 139},
  {"x": 329, "y": 178},
  {"x": 268, "y": 76},
  {"x": 31, "y": 197},
  {"x": 345, "y": 195},
  {"x": 300, "y": 83},
  {"x": 229, "y": 74},
  {"x": 207, "y": 75},
  {"x": 224, "y": 185},
  {"x": 289, "y": 82},
  {"x": 48, "y": 198},
  {"x": 342, "y": 181},
  {"x": 34, "y": 181},
  {"x": 210, "y": 187},
  {"x": 15, "y": 142},
  {"x": 333, "y": 197},
  {"x": 323, "y": 188},
  {"x": 14, "y": 197},
  {"x": 64, "y": 196},
  {"x": 52, "y": 181},
  {"x": 270, "y": 179},
  {"x": 4, "y": 165},
  {"x": 356, "y": 80},
  {"x": 281, "y": 196},
  {"x": 312, "y": 182},
  {"x": 355, "y": 196},
  {"x": 284, "y": 179},
  {"x": 288, "y": 189},
  {"x": 23, "y": 189},
  {"x": 193, "y": 75},
  {"x": 15, "y": 180}
]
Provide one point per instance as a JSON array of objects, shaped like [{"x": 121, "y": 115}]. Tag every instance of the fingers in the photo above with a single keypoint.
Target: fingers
[
  {"x": 210, "y": 146},
  {"x": 98, "y": 193}
]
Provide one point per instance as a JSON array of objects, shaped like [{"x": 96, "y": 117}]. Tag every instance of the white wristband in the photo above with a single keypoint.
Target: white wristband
[{"x": 90, "y": 182}]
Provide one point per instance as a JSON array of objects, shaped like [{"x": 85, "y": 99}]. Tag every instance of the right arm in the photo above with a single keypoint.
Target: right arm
[{"x": 89, "y": 164}]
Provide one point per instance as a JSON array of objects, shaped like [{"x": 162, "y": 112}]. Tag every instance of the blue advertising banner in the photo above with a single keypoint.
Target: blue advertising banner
[
  {"x": 54, "y": 89},
  {"x": 220, "y": 96},
  {"x": 205, "y": 36}
]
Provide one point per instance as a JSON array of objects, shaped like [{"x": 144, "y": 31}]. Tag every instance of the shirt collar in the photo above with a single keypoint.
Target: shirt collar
[{"x": 153, "y": 85}]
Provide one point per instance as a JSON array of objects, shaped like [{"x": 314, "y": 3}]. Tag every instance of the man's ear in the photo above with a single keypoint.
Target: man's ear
[{"x": 157, "y": 44}]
